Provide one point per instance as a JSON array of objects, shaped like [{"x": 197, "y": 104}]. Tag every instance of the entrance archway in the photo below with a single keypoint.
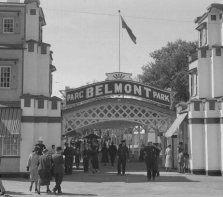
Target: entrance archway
[{"x": 116, "y": 104}]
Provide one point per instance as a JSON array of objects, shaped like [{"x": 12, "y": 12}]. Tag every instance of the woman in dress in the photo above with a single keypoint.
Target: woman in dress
[
  {"x": 44, "y": 171},
  {"x": 104, "y": 158},
  {"x": 168, "y": 155},
  {"x": 33, "y": 168},
  {"x": 94, "y": 158}
]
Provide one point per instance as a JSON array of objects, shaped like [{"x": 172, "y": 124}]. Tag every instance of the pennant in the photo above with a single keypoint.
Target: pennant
[{"x": 125, "y": 26}]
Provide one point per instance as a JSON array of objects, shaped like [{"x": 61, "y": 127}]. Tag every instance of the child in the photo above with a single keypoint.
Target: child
[
  {"x": 180, "y": 160},
  {"x": 77, "y": 159},
  {"x": 186, "y": 162}
]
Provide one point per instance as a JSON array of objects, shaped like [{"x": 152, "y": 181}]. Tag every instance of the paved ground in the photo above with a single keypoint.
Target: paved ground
[{"x": 107, "y": 184}]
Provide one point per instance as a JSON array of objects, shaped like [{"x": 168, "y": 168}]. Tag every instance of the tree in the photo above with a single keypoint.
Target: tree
[{"x": 169, "y": 70}]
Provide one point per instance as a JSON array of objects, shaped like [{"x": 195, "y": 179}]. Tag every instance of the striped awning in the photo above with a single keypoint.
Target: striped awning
[{"x": 10, "y": 121}]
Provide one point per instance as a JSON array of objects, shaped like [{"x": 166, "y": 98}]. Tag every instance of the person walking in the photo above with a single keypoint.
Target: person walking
[
  {"x": 32, "y": 168},
  {"x": 157, "y": 159},
  {"x": 168, "y": 155},
  {"x": 2, "y": 188},
  {"x": 104, "y": 158},
  {"x": 68, "y": 159},
  {"x": 86, "y": 156},
  {"x": 94, "y": 158},
  {"x": 122, "y": 156},
  {"x": 150, "y": 159},
  {"x": 52, "y": 151},
  {"x": 40, "y": 145},
  {"x": 77, "y": 158},
  {"x": 58, "y": 169},
  {"x": 112, "y": 152},
  {"x": 44, "y": 171}
]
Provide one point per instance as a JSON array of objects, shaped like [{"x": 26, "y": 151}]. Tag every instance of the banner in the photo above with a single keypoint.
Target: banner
[{"x": 118, "y": 88}]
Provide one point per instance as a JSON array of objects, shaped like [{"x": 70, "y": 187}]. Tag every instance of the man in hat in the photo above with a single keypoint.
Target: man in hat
[
  {"x": 151, "y": 153},
  {"x": 40, "y": 145},
  {"x": 58, "y": 169},
  {"x": 122, "y": 156},
  {"x": 68, "y": 153},
  {"x": 86, "y": 157}
]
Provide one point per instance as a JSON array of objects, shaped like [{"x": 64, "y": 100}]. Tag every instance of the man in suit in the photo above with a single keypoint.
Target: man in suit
[
  {"x": 58, "y": 169},
  {"x": 122, "y": 156},
  {"x": 151, "y": 153},
  {"x": 68, "y": 153},
  {"x": 86, "y": 157},
  {"x": 112, "y": 152}
]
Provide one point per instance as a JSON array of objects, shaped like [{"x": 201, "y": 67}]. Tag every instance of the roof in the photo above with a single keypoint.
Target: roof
[
  {"x": 218, "y": 6},
  {"x": 54, "y": 98},
  {"x": 39, "y": 43},
  {"x": 16, "y": 104},
  {"x": 12, "y": 46},
  {"x": 201, "y": 18}
]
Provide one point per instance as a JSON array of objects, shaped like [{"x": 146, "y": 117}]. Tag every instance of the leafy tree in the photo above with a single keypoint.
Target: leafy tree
[{"x": 169, "y": 70}]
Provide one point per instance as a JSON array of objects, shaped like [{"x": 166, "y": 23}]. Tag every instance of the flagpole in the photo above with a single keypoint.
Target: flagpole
[{"x": 119, "y": 18}]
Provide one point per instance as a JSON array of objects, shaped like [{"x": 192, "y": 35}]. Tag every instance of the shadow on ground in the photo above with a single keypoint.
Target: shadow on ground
[{"x": 135, "y": 173}]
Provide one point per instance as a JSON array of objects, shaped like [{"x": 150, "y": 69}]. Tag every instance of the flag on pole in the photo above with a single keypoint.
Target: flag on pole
[{"x": 125, "y": 26}]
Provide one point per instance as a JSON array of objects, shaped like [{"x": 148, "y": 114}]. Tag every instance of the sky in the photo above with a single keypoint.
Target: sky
[{"x": 84, "y": 35}]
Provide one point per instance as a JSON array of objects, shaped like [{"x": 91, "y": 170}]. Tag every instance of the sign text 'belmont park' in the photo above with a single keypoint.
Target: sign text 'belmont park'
[{"x": 118, "y": 87}]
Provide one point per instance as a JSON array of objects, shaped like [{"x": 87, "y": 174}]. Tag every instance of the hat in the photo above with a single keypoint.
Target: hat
[
  {"x": 65, "y": 143},
  {"x": 40, "y": 139},
  {"x": 45, "y": 150}
]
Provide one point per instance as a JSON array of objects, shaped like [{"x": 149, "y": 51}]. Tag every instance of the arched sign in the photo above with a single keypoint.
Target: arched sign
[{"x": 118, "y": 87}]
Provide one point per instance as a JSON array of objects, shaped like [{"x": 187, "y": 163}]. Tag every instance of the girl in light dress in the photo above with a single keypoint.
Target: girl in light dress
[{"x": 168, "y": 155}]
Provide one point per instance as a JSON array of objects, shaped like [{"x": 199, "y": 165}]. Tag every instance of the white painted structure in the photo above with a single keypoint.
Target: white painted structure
[
  {"x": 26, "y": 85},
  {"x": 202, "y": 130}
]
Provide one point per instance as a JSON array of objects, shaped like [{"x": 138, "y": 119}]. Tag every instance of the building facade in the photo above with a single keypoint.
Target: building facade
[
  {"x": 27, "y": 110},
  {"x": 199, "y": 123}
]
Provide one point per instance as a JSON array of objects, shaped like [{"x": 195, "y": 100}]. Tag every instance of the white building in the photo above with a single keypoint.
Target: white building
[
  {"x": 200, "y": 121},
  {"x": 27, "y": 110}
]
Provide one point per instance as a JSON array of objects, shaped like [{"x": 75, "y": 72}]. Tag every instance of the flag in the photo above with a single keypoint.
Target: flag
[{"x": 125, "y": 26}]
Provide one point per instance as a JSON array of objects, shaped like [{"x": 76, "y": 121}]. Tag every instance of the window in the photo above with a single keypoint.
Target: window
[
  {"x": 8, "y": 25},
  {"x": 220, "y": 16},
  {"x": 218, "y": 51},
  {"x": 5, "y": 72},
  {"x": 54, "y": 104},
  {"x": 193, "y": 84},
  {"x": 43, "y": 49},
  {"x": 31, "y": 47},
  {"x": 10, "y": 146},
  {"x": 203, "y": 37},
  {"x": 203, "y": 53},
  {"x": 32, "y": 11},
  {"x": 213, "y": 17},
  {"x": 40, "y": 104}
]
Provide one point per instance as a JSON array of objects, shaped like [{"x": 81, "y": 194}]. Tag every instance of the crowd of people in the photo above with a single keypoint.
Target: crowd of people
[
  {"x": 44, "y": 164},
  {"x": 182, "y": 159}
]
